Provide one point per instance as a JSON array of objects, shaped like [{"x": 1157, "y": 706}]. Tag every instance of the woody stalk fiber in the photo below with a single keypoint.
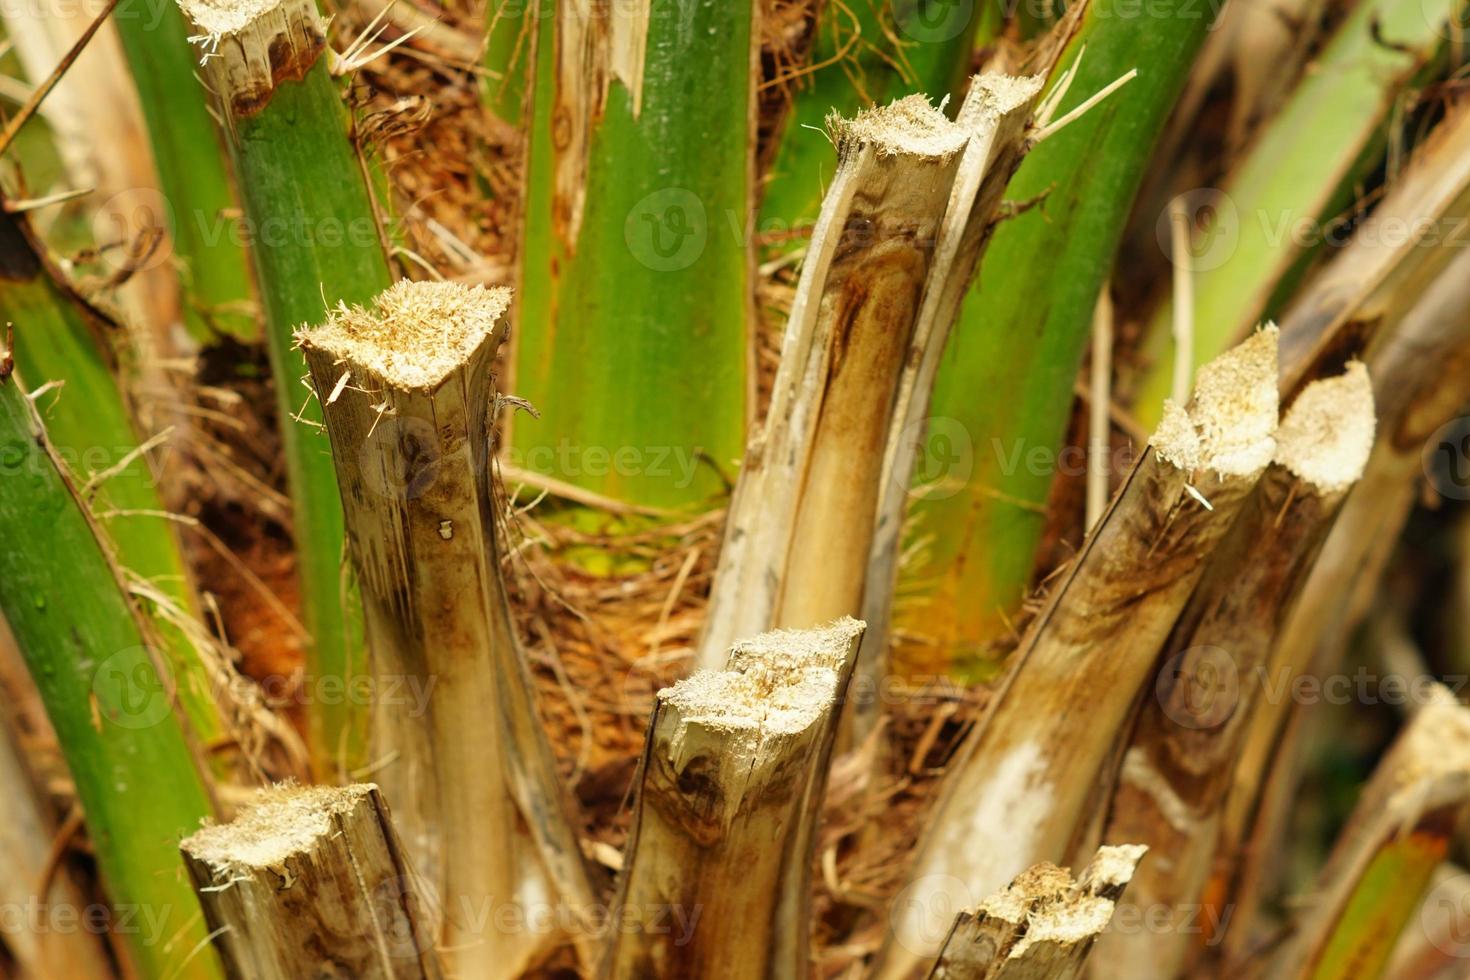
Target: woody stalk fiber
[
  {"x": 407, "y": 393},
  {"x": 729, "y": 793},
  {"x": 1191, "y": 730},
  {"x": 1042, "y": 926},
  {"x": 1018, "y": 792},
  {"x": 312, "y": 882}
]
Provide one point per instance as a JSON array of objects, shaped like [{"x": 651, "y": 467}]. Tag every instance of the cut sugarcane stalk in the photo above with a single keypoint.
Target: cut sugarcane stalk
[
  {"x": 96, "y": 667},
  {"x": 1042, "y": 926},
  {"x": 729, "y": 793},
  {"x": 408, "y": 394},
  {"x": 316, "y": 241},
  {"x": 996, "y": 114},
  {"x": 312, "y": 882},
  {"x": 1022, "y": 780},
  {"x": 1186, "y": 742},
  {"x": 842, "y": 427}
]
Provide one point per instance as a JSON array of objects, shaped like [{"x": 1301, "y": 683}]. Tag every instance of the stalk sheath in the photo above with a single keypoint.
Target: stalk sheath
[
  {"x": 1420, "y": 369},
  {"x": 1281, "y": 199},
  {"x": 635, "y": 301},
  {"x": 26, "y": 838},
  {"x": 60, "y": 337},
  {"x": 1399, "y": 832},
  {"x": 95, "y": 665},
  {"x": 316, "y": 243},
  {"x": 192, "y": 170}
]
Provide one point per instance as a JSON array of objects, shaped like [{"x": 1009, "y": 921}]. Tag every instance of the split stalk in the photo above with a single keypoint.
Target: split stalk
[
  {"x": 1187, "y": 740},
  {"x": 1018, "y": 791}
]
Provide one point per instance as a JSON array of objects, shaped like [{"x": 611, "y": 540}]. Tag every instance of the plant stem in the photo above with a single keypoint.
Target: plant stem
[
  {"x": 350, "y": 904},
  {"x": 408, "y": 395},
  {"x": 1412, "y": 402},
  {"x": 192, "y": 171},
  {"x": 1055, "y": 723},
  {"x": 635, "y": 268},
  {"x": 1007, "y": 379},
  {"x": 60, "y": 337},
  {"x": 1186, "y": 743},
  {"x": 812, "y": 530},
  {"x": 510, "y": 43},
  {"x": 1399, "y": 832},
  {"x": 135, "y": 775},
  {"x": 998, "y": 114},
  {"x": 730, "y": 791},
  {"x": 800, "y": 524},
  {"x": 1043, "y": 926},
  {"x": 1298, "y": 168},
  {"x": 867, "y": 53},
  {"x": 316, "y": 243}
]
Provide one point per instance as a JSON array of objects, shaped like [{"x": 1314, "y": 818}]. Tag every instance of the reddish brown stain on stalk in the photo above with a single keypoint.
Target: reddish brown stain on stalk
[
  {"x": 290, "y": 60},
  {"x": 872, "y": 317}
]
